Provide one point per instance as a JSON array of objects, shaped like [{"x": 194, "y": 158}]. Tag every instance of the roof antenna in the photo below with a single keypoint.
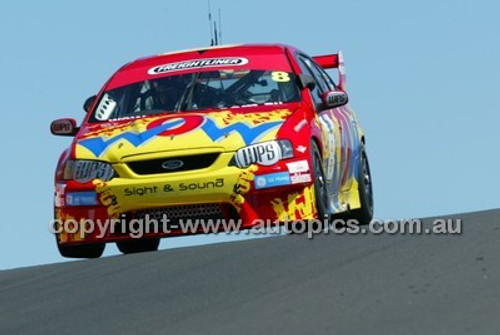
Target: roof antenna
[
  {"x": 212, "y": 42},
  {"x": 215, "y": 36},
  {"x": 220, "y": 27},
  {"x": 215, "y": 33}
]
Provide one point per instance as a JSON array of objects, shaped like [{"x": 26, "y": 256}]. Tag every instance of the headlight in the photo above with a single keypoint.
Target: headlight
[
  {"x": 265, "y": 153},
  {"x": 84, "y": 171}
]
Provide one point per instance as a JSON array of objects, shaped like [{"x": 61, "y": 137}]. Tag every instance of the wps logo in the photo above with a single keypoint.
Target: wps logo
[{"x": 175, "y": 125}]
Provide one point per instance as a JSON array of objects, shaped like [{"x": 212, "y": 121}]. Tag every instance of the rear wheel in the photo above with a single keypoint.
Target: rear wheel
[
  {"x": 81, "y": 251},
  {"x": 364, "y": 214},
  {"x": 137, "y": 246}
]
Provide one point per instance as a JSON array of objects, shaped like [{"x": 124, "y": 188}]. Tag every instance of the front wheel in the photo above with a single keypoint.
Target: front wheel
[
  {"x": 364, "y": 214},
  {"x": 81, "y": 251},
  {"x": 320, "y": 187},
  {"x": 138, "y": 245}
]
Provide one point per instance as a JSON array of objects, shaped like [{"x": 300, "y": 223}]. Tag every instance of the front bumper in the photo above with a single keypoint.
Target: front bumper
[{"x": 274, "y": 198}]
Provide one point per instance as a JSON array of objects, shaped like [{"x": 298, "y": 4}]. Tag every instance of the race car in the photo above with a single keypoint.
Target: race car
[{"x": 247, "y": 133}]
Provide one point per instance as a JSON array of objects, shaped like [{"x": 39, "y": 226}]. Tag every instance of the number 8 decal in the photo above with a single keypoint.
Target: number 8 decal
[{"x": 280, "y": 77}]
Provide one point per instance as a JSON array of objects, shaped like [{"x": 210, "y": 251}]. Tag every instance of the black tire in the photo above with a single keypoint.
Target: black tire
[
  {"x": 138, "y": 245},
  {"x": 81, "y": 251},
  {"x": 320, "y": 187},
  {"x": 364, "y": 214}
]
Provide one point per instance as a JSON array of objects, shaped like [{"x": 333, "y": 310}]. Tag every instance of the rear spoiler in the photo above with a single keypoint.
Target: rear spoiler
[
  {"x": 328, "y": 61},
  {"x": 335, "y": 61}
]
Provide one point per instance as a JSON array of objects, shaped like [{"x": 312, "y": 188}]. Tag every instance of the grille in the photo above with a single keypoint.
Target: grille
[
  {"x": 213, "y": 211},
  {"x": 183, "y": 212},
  {"x": 156, "y": 166}
]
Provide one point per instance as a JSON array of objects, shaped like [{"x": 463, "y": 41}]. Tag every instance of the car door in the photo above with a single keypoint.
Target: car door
[
  {"x": 329, "y": 129},
  {"x": 350, "y": 140}
]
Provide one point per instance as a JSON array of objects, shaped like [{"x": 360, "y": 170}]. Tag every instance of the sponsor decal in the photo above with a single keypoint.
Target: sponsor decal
[
  {"x": 81, "y": 199},
  {"x": 299, "y": 178},
  {"x": 175, "y": 125},
  {"x": 83, "y": 171},
  {"x": 63, "y": 127},
  {"x": 218, "y": 183},
  {"x": 140, "y": 191},
  {"x": 297, "y": 167},
  {"x": 197, "y": 64},
  {"x": 272, "y": 180},
  {"x": 266, "y": 154},
  {"x": 336, "y": 98},
  {"x": 168, "y": 188}
]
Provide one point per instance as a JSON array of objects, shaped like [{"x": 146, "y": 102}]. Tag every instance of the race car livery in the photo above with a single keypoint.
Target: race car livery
[{"x": 246, "y": 133}]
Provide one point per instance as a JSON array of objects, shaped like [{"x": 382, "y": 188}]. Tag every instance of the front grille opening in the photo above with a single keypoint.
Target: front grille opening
[
  {"x": 197, "y": 212},
  {"x": 180, "y": 163},
  {"x": 208, "y": 211}
]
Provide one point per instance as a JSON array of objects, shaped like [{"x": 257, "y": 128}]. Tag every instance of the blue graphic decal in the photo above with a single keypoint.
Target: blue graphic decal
[
  {"x": 272, "y": 180},
  {"x": 99, "y": 145},
  {"x": 249, "y": 134}
]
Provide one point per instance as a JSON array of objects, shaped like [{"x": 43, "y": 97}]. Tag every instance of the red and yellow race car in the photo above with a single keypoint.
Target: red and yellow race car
[{"x": 246, "y": 133}]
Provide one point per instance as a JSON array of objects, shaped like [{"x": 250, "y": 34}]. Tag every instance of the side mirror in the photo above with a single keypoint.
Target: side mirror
[
  {"x": 306, "y": 81},
  {"x": 88, "y": 103},
  {"x": 334, "y": 99},
  {"x": 63, "y": 127}
]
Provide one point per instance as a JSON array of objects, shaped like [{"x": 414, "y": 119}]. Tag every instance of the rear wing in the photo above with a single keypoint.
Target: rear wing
[{"x": 335, "y": 61}]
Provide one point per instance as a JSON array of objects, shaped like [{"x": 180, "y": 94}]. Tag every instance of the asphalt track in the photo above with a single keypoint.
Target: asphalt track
[{"x": 282, "y": 285}]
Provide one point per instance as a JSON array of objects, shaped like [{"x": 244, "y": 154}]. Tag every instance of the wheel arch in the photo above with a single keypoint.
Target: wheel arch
[{"x": 318, "y": 143}]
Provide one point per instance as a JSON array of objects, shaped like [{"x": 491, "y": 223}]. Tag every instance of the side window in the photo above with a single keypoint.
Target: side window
[
  {"x": 317, "y": 74},
  {"x": 318, "y": 90},
  {"x": 326, "y": 77}
]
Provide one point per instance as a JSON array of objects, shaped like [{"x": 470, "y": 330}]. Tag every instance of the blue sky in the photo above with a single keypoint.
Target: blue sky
[{"x": 423, "y": 78}]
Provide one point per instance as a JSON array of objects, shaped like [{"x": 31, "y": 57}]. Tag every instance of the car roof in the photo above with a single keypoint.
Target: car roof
[
  {"x": 207, "y": 52},
  {"x": 261, "y": 56}
]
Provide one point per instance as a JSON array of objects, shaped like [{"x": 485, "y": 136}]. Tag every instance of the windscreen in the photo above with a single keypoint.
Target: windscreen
[{"x": 197, "y": 92}]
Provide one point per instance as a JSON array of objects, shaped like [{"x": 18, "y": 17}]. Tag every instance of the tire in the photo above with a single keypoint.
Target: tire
[
  {"x": 81, "y": 251},
  {"x": 364, "y": 214},
  {"x": 139, "y": 245},
  {"x": 320, "y": 187}
]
